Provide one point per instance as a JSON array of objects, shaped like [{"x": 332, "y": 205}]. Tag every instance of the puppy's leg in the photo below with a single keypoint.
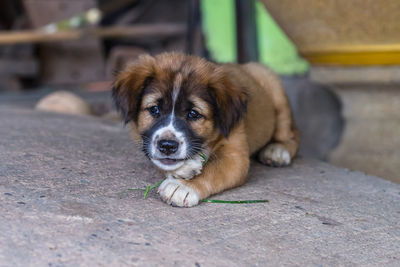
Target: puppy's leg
[
  {"x": 286, "y": 138},
  {"x": 227, "y": 168},
  {"x": 278, "y": 154}
]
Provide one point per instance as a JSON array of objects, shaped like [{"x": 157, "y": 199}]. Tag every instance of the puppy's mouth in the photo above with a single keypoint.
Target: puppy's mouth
[
  {"x": 168, "y": 161},
  {"x": 168, "y": 164}
]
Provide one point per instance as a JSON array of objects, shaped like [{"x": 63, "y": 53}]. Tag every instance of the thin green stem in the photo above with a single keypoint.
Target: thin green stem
[
  {"x": 151, "y": 187},
  {"x": 235, "y": 201}
]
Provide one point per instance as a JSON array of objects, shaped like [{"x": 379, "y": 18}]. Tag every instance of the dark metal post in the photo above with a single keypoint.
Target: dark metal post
[
  {"x": 195, "y": 43},
  {"x": 246, "y": 30},
  {"x": 192, "y": 25}
]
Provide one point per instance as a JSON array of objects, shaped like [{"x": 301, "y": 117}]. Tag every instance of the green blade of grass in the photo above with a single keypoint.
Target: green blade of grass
[
  {"x": 146, "y": 192},
  {"x": 151, "y": 187},
  {"x": 235, "y": 201},
  {"x": 156, "y": 185},
  {"x": 204, "y": 157}
]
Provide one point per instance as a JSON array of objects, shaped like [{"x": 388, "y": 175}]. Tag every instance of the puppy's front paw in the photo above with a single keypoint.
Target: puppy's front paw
[
  {"x": 275, "y": 154},
  {"x": 175, "y": 193},
  {"x": 190, "y": 169}
]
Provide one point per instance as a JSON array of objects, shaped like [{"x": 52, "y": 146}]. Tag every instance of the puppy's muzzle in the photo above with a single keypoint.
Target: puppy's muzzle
[{"x": 167, "y": 147}]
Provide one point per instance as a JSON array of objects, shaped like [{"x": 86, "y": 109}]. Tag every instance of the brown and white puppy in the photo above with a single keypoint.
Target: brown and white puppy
[{"x": 182, "y": 109}]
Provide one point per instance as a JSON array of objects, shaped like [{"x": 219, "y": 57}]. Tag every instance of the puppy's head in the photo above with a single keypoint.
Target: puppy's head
[{"x": 177, "y": 105}]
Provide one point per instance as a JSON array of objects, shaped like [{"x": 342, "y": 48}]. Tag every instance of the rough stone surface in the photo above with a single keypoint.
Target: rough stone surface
[
  {"x": 370, "y": 140},
  {"x": 61, "y": 179},
  {"x": 355, "y": 75}
]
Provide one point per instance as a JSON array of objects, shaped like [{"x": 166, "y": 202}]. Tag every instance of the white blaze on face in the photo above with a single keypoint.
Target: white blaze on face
[
  {"x": 170, "y": 132},
  {"x": 176, "y": 89}
]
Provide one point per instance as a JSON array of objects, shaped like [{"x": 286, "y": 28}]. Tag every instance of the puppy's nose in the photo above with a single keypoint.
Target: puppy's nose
[{"x": 167, "y": 147}]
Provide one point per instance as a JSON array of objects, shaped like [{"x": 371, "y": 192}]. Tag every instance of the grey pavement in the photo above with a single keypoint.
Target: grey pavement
[{"x": 61, "y": 179}]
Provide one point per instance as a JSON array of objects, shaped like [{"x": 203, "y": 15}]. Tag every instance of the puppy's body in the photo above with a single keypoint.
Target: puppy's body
[
  {"x": 183, "y": 109},
  {"x": 259, "y": 119}
]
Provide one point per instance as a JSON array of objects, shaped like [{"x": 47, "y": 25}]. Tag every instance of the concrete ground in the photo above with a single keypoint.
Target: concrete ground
[{"x": 61, "y": 179}]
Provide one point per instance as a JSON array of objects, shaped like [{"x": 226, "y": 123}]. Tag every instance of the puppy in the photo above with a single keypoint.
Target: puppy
[{"x": 199, "y": 122}]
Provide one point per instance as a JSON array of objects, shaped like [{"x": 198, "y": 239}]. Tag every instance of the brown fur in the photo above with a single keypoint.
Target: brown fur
[{"x": 244, "y": 109}]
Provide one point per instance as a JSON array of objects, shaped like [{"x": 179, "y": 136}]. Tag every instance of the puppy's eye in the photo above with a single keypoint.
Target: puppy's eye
[
  {"x": 194, "y": 115},
  {"x": 154, "y": 111}
]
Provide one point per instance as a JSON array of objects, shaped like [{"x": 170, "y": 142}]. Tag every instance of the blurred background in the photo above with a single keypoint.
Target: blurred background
[{"x": 339, "y": 60}]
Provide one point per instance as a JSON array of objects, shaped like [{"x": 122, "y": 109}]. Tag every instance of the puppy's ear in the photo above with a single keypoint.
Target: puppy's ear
[
  {"x": 230, "y": 103},
  {"x": 129, "y": 84}
]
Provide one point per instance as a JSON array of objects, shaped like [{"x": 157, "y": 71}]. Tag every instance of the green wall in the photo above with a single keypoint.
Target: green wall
[{"x": 275, "y": 49}]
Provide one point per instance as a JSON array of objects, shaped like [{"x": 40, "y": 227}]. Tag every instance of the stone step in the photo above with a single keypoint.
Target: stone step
[{"x": 370, "y": 141}]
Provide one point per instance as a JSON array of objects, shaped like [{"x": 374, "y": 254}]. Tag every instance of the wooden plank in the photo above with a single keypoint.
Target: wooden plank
[{"x": 137, "y": 31}]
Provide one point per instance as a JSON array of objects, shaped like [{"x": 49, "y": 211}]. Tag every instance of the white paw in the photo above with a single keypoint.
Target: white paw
[
  {"x": 175, "y": 193},
  {"x": 190, "y": 168},
  {"x": 275, "y": 155}
]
